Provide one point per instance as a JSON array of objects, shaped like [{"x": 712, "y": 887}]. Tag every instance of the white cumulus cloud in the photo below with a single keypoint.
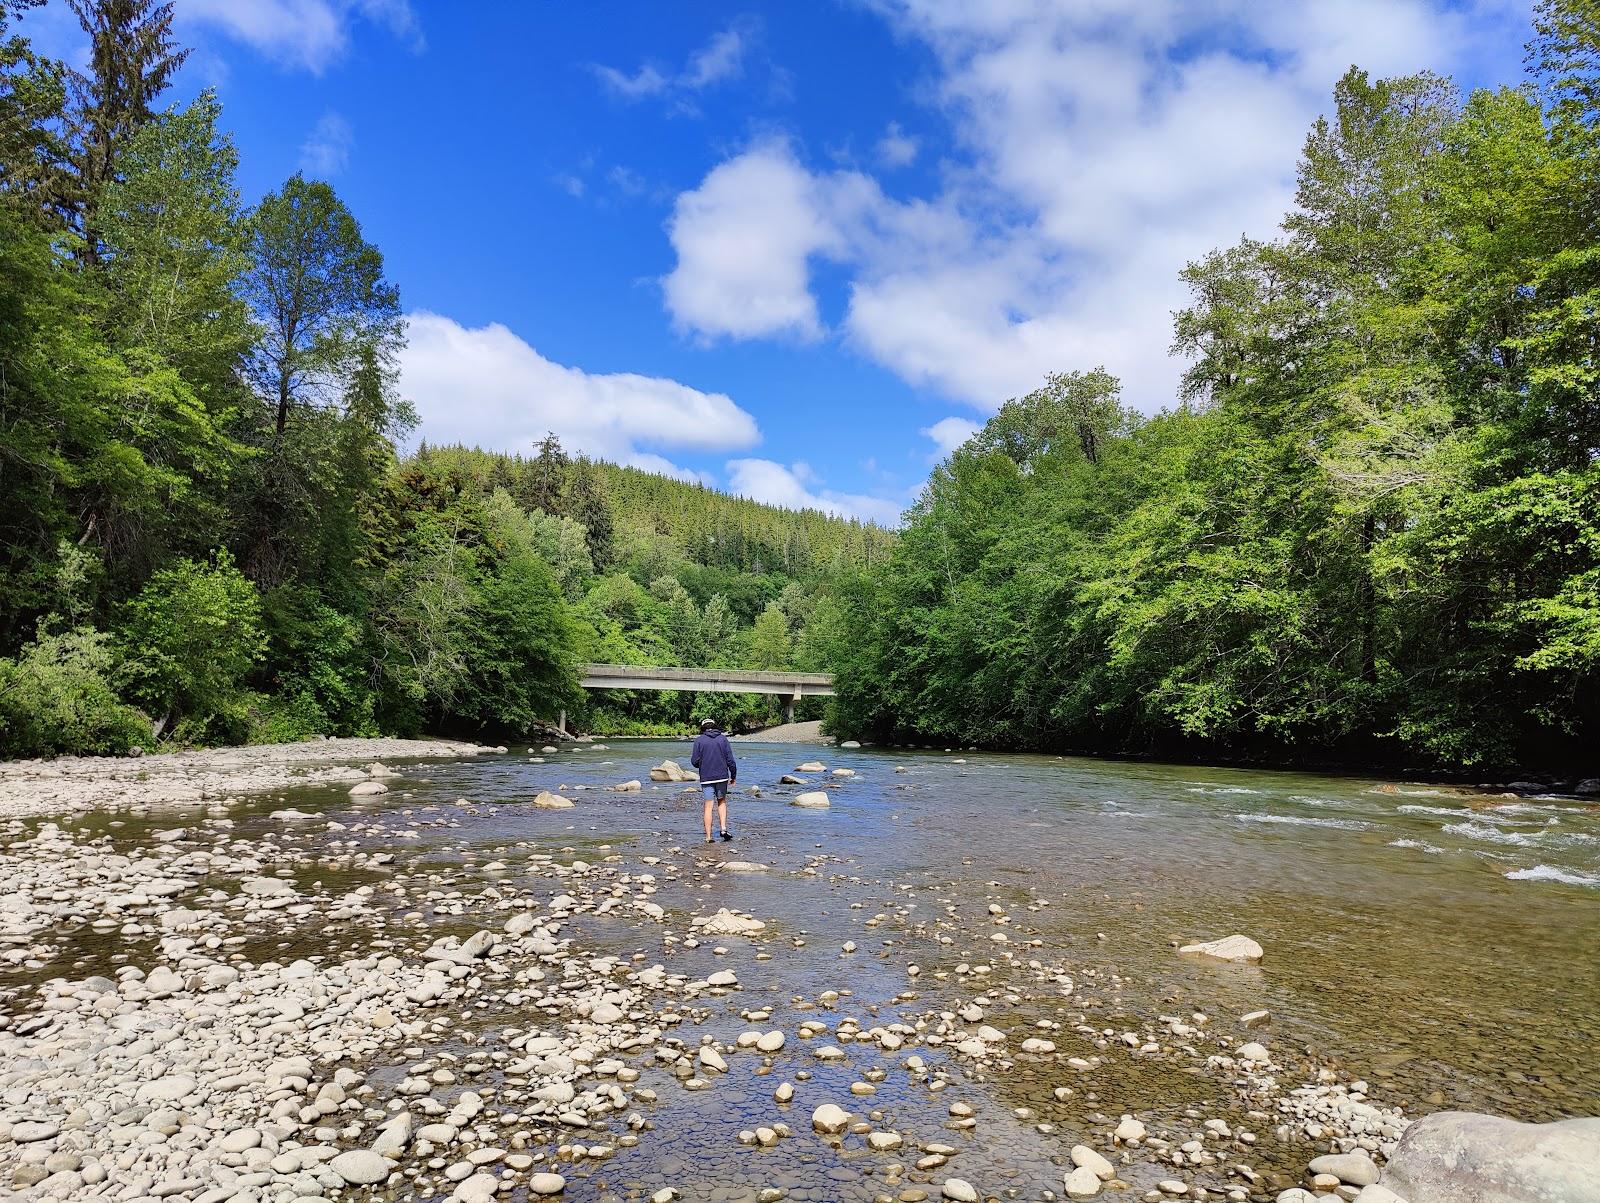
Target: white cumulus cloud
[
  {"x": 1096, "y": 147},
  {"x": 486, "y": 386},
  {"x": 745, "y": 239},
  {"x": 949, "y": 433},
  {"x": 797, "y": 487}
]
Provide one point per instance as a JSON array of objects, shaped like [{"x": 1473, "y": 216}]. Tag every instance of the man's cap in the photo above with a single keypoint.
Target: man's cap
[{"x": 707, "y": 722}]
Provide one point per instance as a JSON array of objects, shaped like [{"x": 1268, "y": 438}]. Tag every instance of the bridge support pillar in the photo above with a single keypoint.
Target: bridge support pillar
[
  {"x": 788, "y": 707},
  {"x": 561, "y": 723}
]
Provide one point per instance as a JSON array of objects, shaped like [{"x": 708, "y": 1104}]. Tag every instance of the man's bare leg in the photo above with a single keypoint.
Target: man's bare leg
[
  {"x": 708, "y": 818},
  {"x": 722, "y": 813}
]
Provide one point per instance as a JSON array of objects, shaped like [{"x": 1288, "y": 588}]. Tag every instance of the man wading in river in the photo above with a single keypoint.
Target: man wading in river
[{"x": 713, "y": 756}]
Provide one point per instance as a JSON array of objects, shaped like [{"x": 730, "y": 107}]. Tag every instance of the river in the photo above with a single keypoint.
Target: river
[{"x": 1443, "y": 945}]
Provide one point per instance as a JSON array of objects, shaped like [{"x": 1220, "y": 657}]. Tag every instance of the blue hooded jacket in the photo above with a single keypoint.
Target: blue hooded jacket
[{"x": 713, "y": 756}]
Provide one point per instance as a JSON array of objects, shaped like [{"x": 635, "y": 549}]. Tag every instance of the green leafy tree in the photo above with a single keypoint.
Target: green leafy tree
[{"x": 187, "y": 641}]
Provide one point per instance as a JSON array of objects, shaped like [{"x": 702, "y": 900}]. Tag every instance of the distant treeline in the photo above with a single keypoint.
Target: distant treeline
[
  {"x": 1370, "y": 526},
  {"x": 205, "y": 532}
]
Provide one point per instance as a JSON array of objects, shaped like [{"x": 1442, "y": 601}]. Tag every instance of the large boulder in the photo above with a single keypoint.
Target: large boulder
[
  {"x": 545, "y": 800},
  {"x": 671, "y": 770},
  {"x": 1238, "y": 949},
  {"x": 1463, "y": 1157},
  {"x": 816, "y": 798}
]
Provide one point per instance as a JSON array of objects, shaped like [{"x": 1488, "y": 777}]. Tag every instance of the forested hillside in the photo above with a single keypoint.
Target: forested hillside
[
  {"x": 205, "y": 532},
  {"x": 1369, "y": 529}
]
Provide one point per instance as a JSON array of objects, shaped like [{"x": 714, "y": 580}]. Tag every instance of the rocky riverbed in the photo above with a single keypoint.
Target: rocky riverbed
[{"x": 348, "y": 972}]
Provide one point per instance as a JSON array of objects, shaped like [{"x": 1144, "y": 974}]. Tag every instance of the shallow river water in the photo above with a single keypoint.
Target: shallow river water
[{"x": 1443, "y": 945}]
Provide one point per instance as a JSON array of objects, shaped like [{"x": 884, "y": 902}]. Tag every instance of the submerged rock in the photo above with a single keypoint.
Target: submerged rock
[{"x": 1236, "y": 949}]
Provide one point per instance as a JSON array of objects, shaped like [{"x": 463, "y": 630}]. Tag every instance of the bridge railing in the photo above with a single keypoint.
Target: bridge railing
[{"x": 765, "y": 676}]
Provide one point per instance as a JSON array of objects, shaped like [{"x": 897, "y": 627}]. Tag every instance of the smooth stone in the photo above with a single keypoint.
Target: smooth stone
[
  {"x": 830, "y": 1118},
  {"x": 813, "y": 798},
  {"x": 241, "y": 1141},
  {"x": 959, "y": 1190},
  {"x": 1082, "y": 1183},
  {"x": 361, "y": 1167},
  {"x": 1086, "y": 1158},
  {"x": 547, "y": 1184},
  {"x": 1355, "y": 1168},
  {"x": 1464, "y": 1157}
]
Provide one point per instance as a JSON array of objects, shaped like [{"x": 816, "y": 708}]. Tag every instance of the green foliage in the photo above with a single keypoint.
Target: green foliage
[
  {"x": 186, "y": 642},
  {"x": 185, "y": 382},
  {"x": 56, "y": 696},
  {"x": 1371, "y": 529}
]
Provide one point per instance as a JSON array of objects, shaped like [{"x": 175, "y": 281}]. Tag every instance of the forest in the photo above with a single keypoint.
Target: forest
[
  {"x": 206, "y": 532},
  {"x": 1368, "y": 531}
]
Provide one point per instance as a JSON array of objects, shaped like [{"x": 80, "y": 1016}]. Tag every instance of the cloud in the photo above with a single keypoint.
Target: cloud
[
  {"x": 792, "y": 487},
  {"x": 720, "y": 59},
  {"x": 309, "y": 34},
  {"x": 949, "y": 433},
  {"x": 1097, "y": 147},
  {"x": 488, "y": 387},
  {"x": 897, "y": 148},
  {"x": 744, "y": 240},
  {"x": 326, "y": 152}
]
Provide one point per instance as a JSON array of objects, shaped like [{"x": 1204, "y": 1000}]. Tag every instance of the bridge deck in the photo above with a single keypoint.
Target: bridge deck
[{"x": 708, "y": 680}]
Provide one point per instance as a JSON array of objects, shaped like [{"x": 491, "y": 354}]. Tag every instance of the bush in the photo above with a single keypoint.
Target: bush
[
  {"x": 56, "y": 697},
  {"x": 286, "y": 719},
  {"x": 185, "y": 644}
]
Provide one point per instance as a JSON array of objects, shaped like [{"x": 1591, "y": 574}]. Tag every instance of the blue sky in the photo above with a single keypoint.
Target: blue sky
[{"x": 795, "y": 250}]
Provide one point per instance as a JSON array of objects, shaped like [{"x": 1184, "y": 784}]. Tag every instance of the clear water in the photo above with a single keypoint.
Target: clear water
[{"x": 1441, "y": 944}]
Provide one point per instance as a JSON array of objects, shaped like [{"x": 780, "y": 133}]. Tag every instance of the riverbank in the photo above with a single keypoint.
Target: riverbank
[
  {"x": 32, "y": 788},
  {"x": 440, "y": 991}
]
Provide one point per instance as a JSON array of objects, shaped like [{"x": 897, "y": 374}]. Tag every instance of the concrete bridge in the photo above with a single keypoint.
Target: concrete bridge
[{"x": 791, "y": 686}]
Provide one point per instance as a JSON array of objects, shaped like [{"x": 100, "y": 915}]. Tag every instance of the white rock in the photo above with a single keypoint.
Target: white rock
[
  {"x": 365, "y": 788},
  {"x": 1253, "y": 1052},
  {"x": 1464, "y": 1157},
  {"x": 1355, "y": 1168},
  {"x": 812, "y": 798},
  {"x": 830, "y": 1118},
  {"x": 361, "y": 1167},
  {"x": 1238, "y": 949},
  {"x": 1082, "y": 1183},
  {"x": 547, "y": 1184},
  {"x": 1130, "y": 1129},
  {"x": 545, "y": 800},
  {"x": 959, "y": 1190},
  {"x": 1086, "y": 1158}
]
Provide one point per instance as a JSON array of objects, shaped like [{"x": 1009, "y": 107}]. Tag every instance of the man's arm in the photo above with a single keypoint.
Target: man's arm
[
  {"x": 694, "y": 753},
  {"x": 733, "y": 765}
]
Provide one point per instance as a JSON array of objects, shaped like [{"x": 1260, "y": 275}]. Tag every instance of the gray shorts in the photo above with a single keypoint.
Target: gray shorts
[{"x": 714, "y": 791}]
